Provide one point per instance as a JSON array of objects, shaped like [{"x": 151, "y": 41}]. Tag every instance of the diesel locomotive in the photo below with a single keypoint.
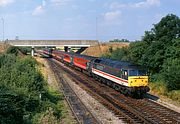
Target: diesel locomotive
[{"x": 125, "y": 77}]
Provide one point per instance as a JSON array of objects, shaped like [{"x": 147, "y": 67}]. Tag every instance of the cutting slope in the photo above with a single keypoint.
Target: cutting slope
[
  {"x": 3, "y": 47},
  {"x": 103, "y": 48}
]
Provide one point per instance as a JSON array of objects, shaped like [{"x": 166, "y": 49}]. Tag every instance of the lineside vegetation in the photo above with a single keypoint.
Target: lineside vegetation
[
  {"x": 159, "y": 52},
  {"x": 24, "y": 94}
]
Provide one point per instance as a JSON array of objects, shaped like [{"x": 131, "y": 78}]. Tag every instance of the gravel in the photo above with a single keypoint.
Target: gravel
[{"x": 104, "y": 115}]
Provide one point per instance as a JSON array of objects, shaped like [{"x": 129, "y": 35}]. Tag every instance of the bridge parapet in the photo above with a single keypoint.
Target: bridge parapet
[{"x": 71, "y": 43}]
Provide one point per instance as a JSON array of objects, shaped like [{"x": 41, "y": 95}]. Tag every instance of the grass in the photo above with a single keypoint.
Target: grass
[
  {"x": 158, "y": 88},
  {"x": 66, "y": 116},
  {"x": 3, "y": 47},
  {"x": 174, "y": 95},
  {"x": 103, "y": 48}
]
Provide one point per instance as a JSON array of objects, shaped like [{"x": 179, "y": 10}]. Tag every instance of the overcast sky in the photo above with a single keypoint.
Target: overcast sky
[{"x": 76, "y": 19}]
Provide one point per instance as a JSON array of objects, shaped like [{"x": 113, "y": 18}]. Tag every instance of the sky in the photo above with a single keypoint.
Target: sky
[{"x": 82, "y": 19}]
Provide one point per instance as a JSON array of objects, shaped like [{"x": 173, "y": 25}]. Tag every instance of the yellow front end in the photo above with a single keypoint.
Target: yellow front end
[{"x": 137, "y": 81}]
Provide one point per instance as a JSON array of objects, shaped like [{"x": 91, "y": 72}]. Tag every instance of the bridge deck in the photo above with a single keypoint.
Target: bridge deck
[{"x": 75, "y": 43}]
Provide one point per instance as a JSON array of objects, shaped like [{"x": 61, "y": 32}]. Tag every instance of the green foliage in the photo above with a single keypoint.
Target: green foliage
[
  {"x": 11, "y": 107},
  {"x": 12, "y": 50},
  {"x": 7, "y": 60},
  {"x": 21, "y": 86},
  {"x": 159, "y": 51},
  {"x": 167, "y": 29},
  {"x": 174, "y": 95},
  {"x": 173, "y": 51},
  {"x": 25, "y": 50},
  {"x": 117, "y": 40},
  {"x": 159, "y": 88},
  {"x": 15, "y": 50},
  {"x": 120, "y": 54},
  {"x": 171, "y": 73},
  {"x": 160, "y": 40},
  {"x": 136, "y": 51}
]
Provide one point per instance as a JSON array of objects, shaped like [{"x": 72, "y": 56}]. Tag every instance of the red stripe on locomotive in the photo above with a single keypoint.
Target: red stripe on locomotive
[{"x": 117, "y": 78}]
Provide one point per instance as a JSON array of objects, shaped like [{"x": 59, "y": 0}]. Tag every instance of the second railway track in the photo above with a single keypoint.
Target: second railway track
[
  {"x": 81, "y": 113},
  {"x": 127, "y": 109}
]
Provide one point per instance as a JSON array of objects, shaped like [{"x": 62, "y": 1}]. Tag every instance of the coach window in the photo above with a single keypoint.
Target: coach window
[
  {"x": 71, "y": 59},
  {"x": 87, "y": 65}
]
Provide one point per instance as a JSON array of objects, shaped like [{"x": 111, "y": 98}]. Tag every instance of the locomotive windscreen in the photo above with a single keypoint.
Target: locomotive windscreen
[{"x": 137, "y": 72}]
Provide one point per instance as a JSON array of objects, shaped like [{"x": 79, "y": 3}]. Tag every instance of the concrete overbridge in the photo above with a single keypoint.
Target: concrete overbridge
[{"x": 67, "y": 44}]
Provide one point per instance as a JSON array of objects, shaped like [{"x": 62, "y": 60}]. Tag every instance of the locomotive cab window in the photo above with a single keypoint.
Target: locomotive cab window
[
  {"x": 137, "y": 72},
  {"x": 133, "y": 72}
]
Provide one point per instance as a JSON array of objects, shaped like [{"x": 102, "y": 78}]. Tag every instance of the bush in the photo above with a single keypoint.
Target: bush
[
  {"x": 20, "y": 87},
  {"x": 171, "y": 74},
  {"x": 25, "y": 50},
  {"x": 120, "y": 54},
  {"x": 158, "y": 87},
  {"x": 11, "y": 107},
  {"x": 175, "y": 95},
  {"x": 12, "y": 50}
]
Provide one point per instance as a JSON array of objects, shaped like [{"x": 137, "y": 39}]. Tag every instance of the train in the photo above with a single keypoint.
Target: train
[{"x": 128, "y": 78}]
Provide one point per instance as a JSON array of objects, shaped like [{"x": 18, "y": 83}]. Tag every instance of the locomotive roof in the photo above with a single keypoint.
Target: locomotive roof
[{"x": 119, "y": 64}]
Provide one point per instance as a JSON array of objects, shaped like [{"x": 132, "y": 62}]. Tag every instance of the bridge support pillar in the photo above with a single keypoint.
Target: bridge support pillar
[
  {"x": 67, "y": 49},
  {"x": 32, "y": 51}
]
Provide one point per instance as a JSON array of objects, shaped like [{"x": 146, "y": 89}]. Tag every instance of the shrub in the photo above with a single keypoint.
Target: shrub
[
  {"x": 20, "y": 87},
  {"x": 171, "y": 74},
  {"x": 12, "y": 50}
]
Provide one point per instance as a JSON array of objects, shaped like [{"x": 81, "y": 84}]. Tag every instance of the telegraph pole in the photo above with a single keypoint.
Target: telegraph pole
[
  {"x": 96, "y": 28},
  {"x": 3, "y": 27},
  {"x": 97, "y": 34}
]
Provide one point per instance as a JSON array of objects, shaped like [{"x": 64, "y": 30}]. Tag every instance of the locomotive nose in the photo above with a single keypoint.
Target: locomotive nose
[{"x": 137, "y": 81}]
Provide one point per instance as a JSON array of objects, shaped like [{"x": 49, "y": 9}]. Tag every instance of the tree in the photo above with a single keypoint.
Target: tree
[
  {"x": 117, "y": 40},
  {"x": 121, "y": 54},
  {"x": 12, "y": 50},
  {"x": 160, "y": 40},
  {"x": 171, "y": 73},
  {"x": 136, "y": 52},
  {"x": 173, "y": 51},
  {"x": 167, "y": 29},
  {"x": 12, "y": 107}
]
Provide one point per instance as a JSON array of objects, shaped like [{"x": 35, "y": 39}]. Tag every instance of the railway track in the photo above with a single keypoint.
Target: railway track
[
  {"x": 81, "y": 113},
  {"x": 127, "y": 109}
]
